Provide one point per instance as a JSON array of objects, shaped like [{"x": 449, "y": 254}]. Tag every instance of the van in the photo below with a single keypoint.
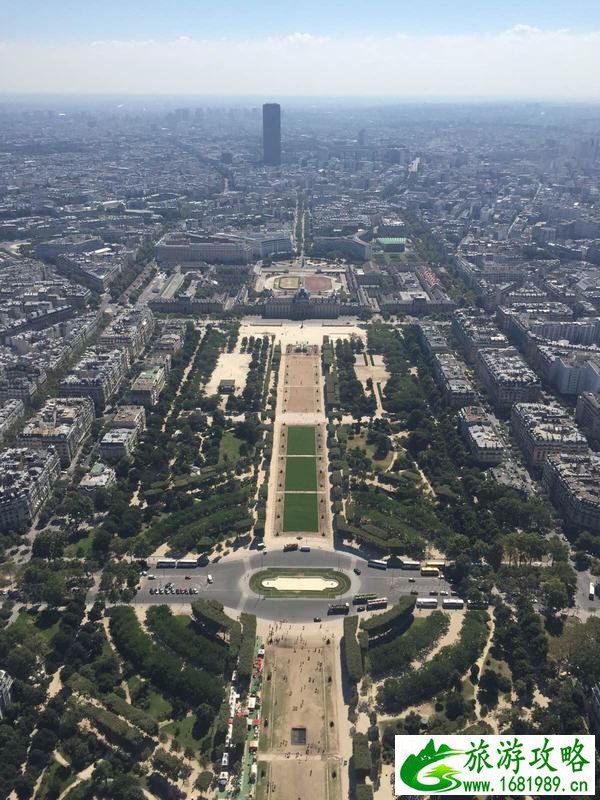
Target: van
[
  {"x": 260, "y": 546},
  {"x": 305, "y": 549},
  {"x": 151, "y": 577},
  {"x": 210, "y": 578}
]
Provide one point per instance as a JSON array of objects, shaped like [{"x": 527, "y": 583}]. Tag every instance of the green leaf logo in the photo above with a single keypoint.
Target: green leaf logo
[{"x": 439, "y": 777}]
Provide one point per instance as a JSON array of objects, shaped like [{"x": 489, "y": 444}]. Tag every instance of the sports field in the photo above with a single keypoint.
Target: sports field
[
  {"x": 289, "y": 282},
  {"x": 301, "y": 440},
  {"x": 300, "y": 513},
  {"x": 301, "y": 474}
]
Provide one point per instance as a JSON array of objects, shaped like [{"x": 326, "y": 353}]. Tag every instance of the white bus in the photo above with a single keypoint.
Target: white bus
[
  {"x": 453, "y": 602},
  {"x": 427, "y": 602},
  {"x": 592, "y": 591},
  {"x": 377, "y": 563}
]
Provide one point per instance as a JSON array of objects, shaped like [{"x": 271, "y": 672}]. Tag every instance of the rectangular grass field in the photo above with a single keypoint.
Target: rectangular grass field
[
  {"x": 301, "y": 440},
  {"x": 300, "y": 513},
  {"x": 301, "y": 474}
]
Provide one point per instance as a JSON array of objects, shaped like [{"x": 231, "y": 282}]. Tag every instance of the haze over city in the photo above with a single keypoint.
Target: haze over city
[{"x": 435, "y": 49}]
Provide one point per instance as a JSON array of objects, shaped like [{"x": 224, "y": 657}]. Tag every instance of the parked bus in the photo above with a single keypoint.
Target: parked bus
[
  {"x": 187, "y": 563},
  {"x": 339, "y": 608},
  {"x": 592, "y": 591},
  {"x": 360, "y": 599},
  {"x": 377, "y": 563},
  {"x": 453, "y": 602},
  {"x": 430, "y": 572},
  {"x": 287, "y": 548},
  {"x": 436, "y": 564},
  {"x": 378, "y": 602},
  {"x": 166, "y": 563},
  {"x": 406, "y": 564},
  {"x": 427, "y": 602}
]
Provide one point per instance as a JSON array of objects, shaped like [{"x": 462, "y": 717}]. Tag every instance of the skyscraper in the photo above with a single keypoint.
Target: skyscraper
[{"x": 272, "y": 134}]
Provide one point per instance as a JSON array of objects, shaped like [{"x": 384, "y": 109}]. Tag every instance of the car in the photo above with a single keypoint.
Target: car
[
  {"x": 161, "y": 590},
  {"x": 434, "y": 592},
  {"x": 356, "y": 571},
  {"x": 413, "y": 591},
  {"x": 209, "y": 578},
  {"x": 151, "y": 577},
  {"x": 178, "y": 591},
  {"x": 444, "y": 593},
  {"x": 412, "y": 580},
  {"x": 316, "y": 619},
  {"x": 188, "y": 577},
  {"x": 305, "y": 549},
  {"x": 152, "y": 591},
  {"x": 361, "y": 608}
]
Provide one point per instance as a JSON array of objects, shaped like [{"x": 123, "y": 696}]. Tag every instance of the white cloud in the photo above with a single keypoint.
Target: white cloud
[{"x": 523, "y": 61}]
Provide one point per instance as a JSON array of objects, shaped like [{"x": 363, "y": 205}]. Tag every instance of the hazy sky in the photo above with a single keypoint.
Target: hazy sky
[{"x": 457, "y": 48}]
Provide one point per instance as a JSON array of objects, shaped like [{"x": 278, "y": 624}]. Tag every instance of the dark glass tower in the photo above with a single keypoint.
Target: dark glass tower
[{"x": 272, "y": 134}]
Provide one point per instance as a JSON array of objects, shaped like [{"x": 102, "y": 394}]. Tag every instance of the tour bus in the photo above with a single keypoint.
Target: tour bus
[
  {"x": 453, "y": 602},
  {"x": 430, "y": 572},
  {"x": 592, "y": 591},
  {"x": 377, "y": 563},
  {"x": 427, "y": 602},
  {"x": 360, "y": 599},
  {"x": 436, "y": 564},
  {"x": 377, "y": 602},
  {"x": 187, "y": 563},
  {"x": 287, "y": 548},
  {"x": 407, "y": 564},
  {"x": 339, "y": 608},
  {"x": 166, "y": 563}
]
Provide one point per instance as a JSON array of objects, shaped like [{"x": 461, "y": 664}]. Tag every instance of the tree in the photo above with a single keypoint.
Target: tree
[
  {"x": 555, "y": 595},
  {"x": 412, "y": 723}
]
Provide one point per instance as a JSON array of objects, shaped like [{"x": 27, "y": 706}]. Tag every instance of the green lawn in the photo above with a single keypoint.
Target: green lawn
[
  {"x": 300, "y": 513},
  {"x": 301, "y": 474},
  {"x": 158, "y": 706},
  {"x": 45, "y": 623},
  {"x": 182, "y": 730},
  {"x": 301, "y": 440},
  {"x": 81, "y": 548},
  {"x": 258, "y": 579},
  {"x": 229, "y": 448}
]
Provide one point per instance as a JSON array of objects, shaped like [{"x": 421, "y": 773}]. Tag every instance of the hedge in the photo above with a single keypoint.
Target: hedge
[
  {"x": 364, "y": 791},
  {"x": 352, "y": 654},
  {"x": 166, "y": 670},
  {"x": 116, "y": 729},
  {"x": 135, "y": 715},
  {"x": 437, "y": 674},
  {"x": 361, "y": 756},
  {"x": 397, "y": 618},
  {"x": 396, "y": 655},
  {"x": 246, "y": 657},
  {"x": 176, "y": 633}
]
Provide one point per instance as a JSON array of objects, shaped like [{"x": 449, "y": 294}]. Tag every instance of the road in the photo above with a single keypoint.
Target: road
[{"x": 231, "y": 583}]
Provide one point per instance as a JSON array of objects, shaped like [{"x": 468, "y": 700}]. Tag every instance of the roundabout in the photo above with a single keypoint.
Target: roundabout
[{"x": 299, "y": 582}]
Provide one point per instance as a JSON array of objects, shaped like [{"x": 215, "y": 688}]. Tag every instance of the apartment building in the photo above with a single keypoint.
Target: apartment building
[
  {"x": 11, "y": 413},
  {"x": 26, "y": 481},
  {"x": 480, "y": 436},
  {"x": 507, "y": 378},
  {"x": 572, "y": 482},
  {"x": 63, "y": 423},
  {"x": 541, "y": 429},
  {"x": 118, "y": 443},
  {"x": 98, "y": 374},
  {"x": 148, "y": 385}
]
